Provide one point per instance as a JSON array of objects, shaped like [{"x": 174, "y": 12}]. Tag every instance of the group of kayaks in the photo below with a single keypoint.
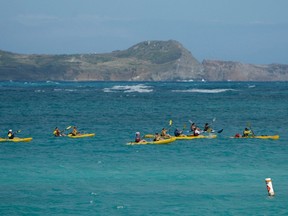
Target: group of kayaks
[
  {"x": 204, "y": 134},
  {"x": 191, "y": 137},
  {"x": 171, "y": 139},
  {"x": 28, "y": 139}
]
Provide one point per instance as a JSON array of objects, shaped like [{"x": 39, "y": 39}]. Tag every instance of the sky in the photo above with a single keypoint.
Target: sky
[{"x": 247, "y": 31}]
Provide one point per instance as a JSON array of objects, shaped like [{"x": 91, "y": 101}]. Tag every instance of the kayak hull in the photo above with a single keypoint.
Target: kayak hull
[
  {"x": 160, "y": 142},
  {"x": 17, "y": 139},
  {"x": 189, "y": 137},
  {"x": 273, "y": 137},
  {"x": 81, "y": 135}
]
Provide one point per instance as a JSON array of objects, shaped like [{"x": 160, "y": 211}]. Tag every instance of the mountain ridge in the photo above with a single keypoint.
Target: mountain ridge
[{"x": 146, "y": 61}]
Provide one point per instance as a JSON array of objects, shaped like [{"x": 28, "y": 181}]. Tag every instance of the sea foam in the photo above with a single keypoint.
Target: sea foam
[{"x": 141, "y": 88}]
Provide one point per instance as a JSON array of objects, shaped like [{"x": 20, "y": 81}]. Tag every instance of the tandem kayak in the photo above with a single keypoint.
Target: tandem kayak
[
  {"x": 16, "y": 139},
  {"x": 274, "y": 137},
  {"x": 81, "y": 135},
  {"x": 162, "y": 141},
  {"x": 189, "y": 137}
]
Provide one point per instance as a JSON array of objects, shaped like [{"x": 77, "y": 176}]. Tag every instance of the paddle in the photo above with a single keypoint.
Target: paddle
[
  {"x": 170, "y": 124},
  {"x": 249, "y": 126},
  {"x": 68, "y": 127},
  {"x": 191, "y": 122},
  {"x": 219, "y": 131},
  {"x": 62, "y": 132}
]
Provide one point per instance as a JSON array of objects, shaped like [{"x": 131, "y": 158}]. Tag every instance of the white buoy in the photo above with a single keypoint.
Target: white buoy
[{"x": 269, "y": 187}]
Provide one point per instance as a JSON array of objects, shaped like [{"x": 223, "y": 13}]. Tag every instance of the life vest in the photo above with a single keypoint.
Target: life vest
[
  {"x": 196, "y": 132},
  {"x": 74, "y": 132},
  {"x": 56, "y": 133},
  {"x": 247, "y": 133},
  {"x": 137, "y": 138},
  {"x": 10, "y": 135}
]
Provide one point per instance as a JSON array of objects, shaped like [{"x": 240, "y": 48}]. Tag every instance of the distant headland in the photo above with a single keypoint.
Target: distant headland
[{"x": 145, "y": 61}]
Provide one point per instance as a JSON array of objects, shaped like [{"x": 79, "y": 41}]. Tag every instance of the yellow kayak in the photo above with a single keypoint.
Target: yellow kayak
[
  {"x": 162, "y": 141},
  {"x": 16, "y": 139},
  {"x": 189, "y": 137},
  {"x": 274, "y": 137},
  {"x": 81, "y": 135}
]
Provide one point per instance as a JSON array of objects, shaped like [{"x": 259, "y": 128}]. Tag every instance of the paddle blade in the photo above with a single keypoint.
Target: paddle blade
[
  {"x": 170, "y": 122},
  {"x": 220, "y": 131},
  {"x": 68, "y": 127}
]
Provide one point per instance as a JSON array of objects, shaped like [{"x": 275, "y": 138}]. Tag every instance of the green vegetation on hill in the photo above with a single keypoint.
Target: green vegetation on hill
[
  {"x": 145, "y": 61},
  {"x": 156, "y": 52},
  {"x": 149, "y": 60}
]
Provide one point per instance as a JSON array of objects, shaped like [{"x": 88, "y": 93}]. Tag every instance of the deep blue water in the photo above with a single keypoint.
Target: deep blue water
[{"x": 104, "y": 176}]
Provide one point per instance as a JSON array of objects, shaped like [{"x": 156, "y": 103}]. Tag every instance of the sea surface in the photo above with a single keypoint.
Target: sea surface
[{"x": 104, "y": 176}]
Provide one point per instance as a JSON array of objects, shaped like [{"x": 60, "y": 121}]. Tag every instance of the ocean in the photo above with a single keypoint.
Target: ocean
[{"x": 102, "y": 175}]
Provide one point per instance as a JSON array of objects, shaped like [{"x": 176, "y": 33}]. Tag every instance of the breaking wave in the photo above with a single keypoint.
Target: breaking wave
[
  {"x": 208, "y": 91},
  {"x": 141, "y": 88}
]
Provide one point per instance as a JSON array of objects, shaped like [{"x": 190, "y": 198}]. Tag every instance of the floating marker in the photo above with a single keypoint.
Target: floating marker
[{"x": 269, "y": 187}]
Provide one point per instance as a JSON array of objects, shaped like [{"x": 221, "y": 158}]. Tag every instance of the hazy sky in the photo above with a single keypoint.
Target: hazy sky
[{"x": 249, "y": 31}]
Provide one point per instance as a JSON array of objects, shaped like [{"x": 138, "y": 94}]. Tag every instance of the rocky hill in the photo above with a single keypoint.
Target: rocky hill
[
  {"x": 149, "y": 60},
  {"x": 236, "y": 71},
  {"x": 146, "y": 61}
]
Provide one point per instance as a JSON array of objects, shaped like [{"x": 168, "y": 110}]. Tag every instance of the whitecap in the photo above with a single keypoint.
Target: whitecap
[
  {"x": 67, "y": 90},
  {"x": 141, "y": 88},
  {"x": 209, "y": 91},
  {"x": 39, "y": 91},
  {"x": 52, "y": 82}
]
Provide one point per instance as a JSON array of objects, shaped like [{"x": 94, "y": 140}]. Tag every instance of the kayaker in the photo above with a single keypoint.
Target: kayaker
[
  {"x": 178, "y": 132},
  {"x": 207, "y": 128},
  {"x": 247, "y": 133},
  {"x": 164, "y": 133},
  {"x": 10, "y": 134},
  {"x": 193, "y": 127},
  {"x": 57, "y": 132},
  {"x": 196, "y": 131},
  {"x": 157, "y": 137},
  {"x": 75, "y": 131},
  {"x": 138, "y": 138}
]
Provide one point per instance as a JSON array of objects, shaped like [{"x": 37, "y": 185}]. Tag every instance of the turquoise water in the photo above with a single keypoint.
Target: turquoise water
[{"x": 103, "y": 176}]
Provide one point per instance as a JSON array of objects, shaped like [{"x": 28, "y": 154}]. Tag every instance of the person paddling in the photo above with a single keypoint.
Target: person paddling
[
  {"x": 57, "y": 132},
  {"x": 164, "y": 133},
  {"x": 157, "y": 137},
  {"x": 247, "y": 133},
  {"x": 10, "y": 134},
  {"x": 193, "y": 127},
  {"x": 178, "y": 132},
  {"x": 75, "y": 131},
  {"x": 196, "y": 131},
  {"x": 207, "y": 128}
]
